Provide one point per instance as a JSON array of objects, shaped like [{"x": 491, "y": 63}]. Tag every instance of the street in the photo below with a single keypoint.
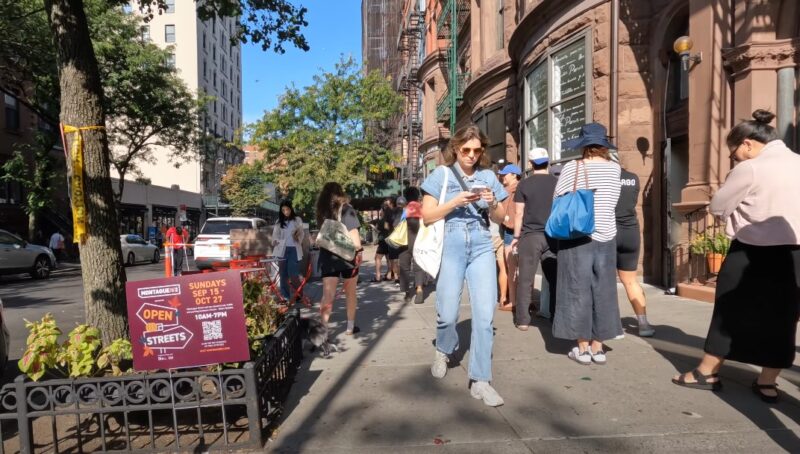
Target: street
[{"x": 61, "y": 294}]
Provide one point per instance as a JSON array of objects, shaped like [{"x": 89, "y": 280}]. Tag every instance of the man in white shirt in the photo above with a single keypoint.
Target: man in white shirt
[{"x": 57, "y": 245}]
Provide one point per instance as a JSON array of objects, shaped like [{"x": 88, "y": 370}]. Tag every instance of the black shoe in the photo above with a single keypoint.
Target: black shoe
[{"x": 407, "y": 298}]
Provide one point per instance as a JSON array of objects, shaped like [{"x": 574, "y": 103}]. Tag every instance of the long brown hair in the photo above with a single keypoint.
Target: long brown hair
[
  {"x": 330, "y": 199},
  {"x": 596, "y": 151},
  {"x": 462, "y": 136}
]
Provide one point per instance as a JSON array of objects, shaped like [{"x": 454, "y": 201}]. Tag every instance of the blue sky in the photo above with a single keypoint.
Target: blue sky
[{"x": 334, "y": 28}]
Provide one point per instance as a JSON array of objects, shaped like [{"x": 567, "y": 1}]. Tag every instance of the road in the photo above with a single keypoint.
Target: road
[{"x": 61, "y": 294}]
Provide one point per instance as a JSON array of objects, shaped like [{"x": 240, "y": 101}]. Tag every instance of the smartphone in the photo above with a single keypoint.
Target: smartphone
[{"x": 478, "y": 189}]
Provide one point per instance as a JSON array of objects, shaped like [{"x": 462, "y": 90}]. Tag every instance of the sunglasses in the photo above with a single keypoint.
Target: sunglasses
[{"x": 468, "y": 151}]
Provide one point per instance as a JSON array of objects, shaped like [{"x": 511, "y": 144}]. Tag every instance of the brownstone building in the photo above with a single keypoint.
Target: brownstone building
[{"x": 531, "y": 72}]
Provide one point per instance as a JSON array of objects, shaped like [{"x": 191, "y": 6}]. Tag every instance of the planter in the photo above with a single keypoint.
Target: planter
[{"x": 714, "y": 261}]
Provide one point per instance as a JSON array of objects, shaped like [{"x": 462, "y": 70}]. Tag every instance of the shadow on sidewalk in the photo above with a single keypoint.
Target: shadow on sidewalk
[{"x": 684, "y": 351}]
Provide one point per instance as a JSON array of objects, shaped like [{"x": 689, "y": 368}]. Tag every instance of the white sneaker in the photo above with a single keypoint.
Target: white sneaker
[
  {"x": 599, "y": 357},
  {"x": 645, "y": 330},
  {"x": 483, "y": 390},
  {"x": 439, "y": 366},
  {"x": 584, "y": 358}
]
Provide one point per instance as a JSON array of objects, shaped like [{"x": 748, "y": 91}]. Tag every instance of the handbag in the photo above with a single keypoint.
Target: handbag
[
  {"x": 334, "y": 238},
  {"x": 399, "y": 236},
  {"x": 572, "y": 214},
  {"x": 430, "y": 239}
]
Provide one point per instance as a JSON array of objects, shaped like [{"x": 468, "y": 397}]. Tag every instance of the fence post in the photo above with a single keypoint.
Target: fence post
[
  {"x": 253, "y": 403},
  {"x": 23, "y": 423}
]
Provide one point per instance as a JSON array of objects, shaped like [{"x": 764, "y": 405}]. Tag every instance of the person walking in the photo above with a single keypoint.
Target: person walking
[
  {"x": 384, "y": 229},
  {"x": 333, "y": 203},
  {"x": 509, "y": 177},
  {"x": 412, "y": 288},
  {"x": 586, "y": 291},
  {"x": 533, "y": 200},
  {"x": 758, "y": 287},
  {"x": 287, "y": 240},
  {"x": 629, "y": 244},
  {"x": 57, "y": 245},
  {"x": 174, "y": 237},
  {"x": 393, "y": 254},
  {"x": 500, "y": 262},
  {"x": 467, "y": 253}
]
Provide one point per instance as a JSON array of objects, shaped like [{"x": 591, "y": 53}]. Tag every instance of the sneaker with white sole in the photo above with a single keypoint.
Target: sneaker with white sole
[
  {"x": 599, "y": 357},
  {"x": 439, "y": 366},
  {"x": 645, "y": 330},
  {"x": 483, "y": 390},
  {"x": 584, "y": 358}
]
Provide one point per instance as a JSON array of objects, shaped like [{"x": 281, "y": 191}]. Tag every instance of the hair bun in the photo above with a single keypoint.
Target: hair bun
[{"x": 763, "y": 116}]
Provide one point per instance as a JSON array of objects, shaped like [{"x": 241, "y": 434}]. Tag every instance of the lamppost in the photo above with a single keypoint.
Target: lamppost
[{"x": 217, "y": 183}]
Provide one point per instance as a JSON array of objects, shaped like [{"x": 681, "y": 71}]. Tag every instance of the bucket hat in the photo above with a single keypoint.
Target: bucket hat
[{"x": 591, "y": 134}]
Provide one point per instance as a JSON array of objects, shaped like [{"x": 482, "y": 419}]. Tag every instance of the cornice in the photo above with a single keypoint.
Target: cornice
[
  {"x": 766, "y": 55},
  {"x": 489, "y": 77},
  {"x": 430, "y": 62}
]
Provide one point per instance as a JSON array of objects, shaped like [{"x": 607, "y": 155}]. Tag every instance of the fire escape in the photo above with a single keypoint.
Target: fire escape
[
  {"x": 410, "y": 130},
  {"x": 452, "y": 17}
]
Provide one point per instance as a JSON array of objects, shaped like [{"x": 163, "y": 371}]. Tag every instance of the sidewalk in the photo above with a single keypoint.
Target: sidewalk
[{"x": 377, "y": 393}]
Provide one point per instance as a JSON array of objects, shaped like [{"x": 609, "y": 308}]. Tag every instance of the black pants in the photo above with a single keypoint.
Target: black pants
[
  {"x": 532, "y": 249},
  {"x": 177, "y": 262},
  {"x": 407, "y": 261},
  {"x": 757, "y": 305}
]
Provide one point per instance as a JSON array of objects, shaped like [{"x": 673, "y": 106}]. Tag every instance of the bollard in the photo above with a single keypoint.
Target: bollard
[{"x": 167, "y": 259}]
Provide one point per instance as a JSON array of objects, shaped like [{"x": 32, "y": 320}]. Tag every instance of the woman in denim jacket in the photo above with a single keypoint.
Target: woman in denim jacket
[{"x": 467, "y": 253}]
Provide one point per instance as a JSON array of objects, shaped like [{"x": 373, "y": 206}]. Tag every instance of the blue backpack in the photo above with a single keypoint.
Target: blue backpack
[{"x": 572, "y": 214}]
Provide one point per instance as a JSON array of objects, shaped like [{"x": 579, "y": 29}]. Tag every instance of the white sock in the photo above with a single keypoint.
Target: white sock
[
  {"x": 350, "y": 325},
  {"x": 642, "y": 319}
]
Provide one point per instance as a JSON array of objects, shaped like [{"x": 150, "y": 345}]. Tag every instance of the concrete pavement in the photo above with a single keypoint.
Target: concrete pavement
[{"x": 377, "y": 393}]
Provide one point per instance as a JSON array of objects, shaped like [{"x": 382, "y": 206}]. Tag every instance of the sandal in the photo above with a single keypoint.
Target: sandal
[
  {"x": 375, "y": 280},
  {"x": 768, "y": 399},
  {"x": 700, "y": 381}
]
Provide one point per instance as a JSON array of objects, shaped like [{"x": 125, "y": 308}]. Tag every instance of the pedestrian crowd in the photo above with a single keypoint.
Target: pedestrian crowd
[{"x": 492, "y": 230}]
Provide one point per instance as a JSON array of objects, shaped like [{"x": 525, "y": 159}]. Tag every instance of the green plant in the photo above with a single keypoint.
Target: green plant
[
  {"x": 262, "y": 315},
  {"x": 79, "y": 356},
  {"x": 707, "y": 243}
]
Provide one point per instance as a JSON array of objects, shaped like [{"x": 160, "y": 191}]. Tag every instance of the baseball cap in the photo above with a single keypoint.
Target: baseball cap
[
  {"x": 539, "y": 156},
  {"x": 510, "y": 168}
]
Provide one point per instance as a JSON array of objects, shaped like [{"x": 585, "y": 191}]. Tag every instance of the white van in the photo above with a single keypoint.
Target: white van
[{"x": 213, "y": 244}]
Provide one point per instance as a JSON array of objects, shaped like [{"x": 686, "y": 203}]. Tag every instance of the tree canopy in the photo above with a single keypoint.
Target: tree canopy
[
  {"x": 243, "y": 187},
  {"x": 319, "y": 133}
]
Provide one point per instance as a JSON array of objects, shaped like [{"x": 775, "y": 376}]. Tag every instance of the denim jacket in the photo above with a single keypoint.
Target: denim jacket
[{"x": 432, "y": 186}]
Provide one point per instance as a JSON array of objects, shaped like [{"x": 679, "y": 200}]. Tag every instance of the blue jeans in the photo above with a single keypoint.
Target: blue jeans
[
  {"x": 468, "y": 253},
  {"x": 289, "y": 267}
]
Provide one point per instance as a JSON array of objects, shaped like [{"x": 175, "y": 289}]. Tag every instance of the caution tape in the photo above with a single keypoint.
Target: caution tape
[{"x": 77, "y": 193}]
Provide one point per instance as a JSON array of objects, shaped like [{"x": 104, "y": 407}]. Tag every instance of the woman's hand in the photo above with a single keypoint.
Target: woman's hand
[
  {"x": 488, "y": 197},
  {"x": 463, "y": 199}
]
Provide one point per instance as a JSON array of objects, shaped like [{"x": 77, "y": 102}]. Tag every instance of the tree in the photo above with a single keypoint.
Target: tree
[
  {"x": 319, "y": 134},
  {"x": 271, "y": 23},
  {"x": 243, "y": 188}
]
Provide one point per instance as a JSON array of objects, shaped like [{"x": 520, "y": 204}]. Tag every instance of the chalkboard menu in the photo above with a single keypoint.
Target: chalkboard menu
[
  {"x": 537, "y": 88},
  {"x": 569, "y": 71},
  {"x": 568, "y": 119}
]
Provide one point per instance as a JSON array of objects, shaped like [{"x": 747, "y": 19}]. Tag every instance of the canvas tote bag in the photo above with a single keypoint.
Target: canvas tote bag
[
  {"x": 430, "y": 239},
  {"x": 334, "y": 238}
]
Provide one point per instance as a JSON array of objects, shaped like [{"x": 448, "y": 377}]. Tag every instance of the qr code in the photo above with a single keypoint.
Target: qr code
[{"x": 212, "y": 330}]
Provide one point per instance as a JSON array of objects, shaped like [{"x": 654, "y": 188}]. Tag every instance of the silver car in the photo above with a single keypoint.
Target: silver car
[
  {"x": 5, "y": 340},
  {"x": 136, "y": 249},
  {"x": 18, "y": 256}
]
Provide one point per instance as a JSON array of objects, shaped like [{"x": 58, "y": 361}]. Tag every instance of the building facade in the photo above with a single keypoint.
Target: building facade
[
  {"x": 531, "y": 72},
  {"x": 210, "y": 64}
]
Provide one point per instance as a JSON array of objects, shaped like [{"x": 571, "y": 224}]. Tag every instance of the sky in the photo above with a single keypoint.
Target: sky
[{"x": 334, "y": 28}]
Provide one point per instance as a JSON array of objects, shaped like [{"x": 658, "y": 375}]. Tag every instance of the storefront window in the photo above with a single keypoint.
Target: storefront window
[{"x": 557, "y": 100}]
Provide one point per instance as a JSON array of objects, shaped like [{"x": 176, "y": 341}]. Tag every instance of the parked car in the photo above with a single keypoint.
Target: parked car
[
  {"x": 18, "y": 256},
  {"x": 5, "y": 339},
  {"x": 136, "y": 249},
  {"x": 213, "y": 244}
]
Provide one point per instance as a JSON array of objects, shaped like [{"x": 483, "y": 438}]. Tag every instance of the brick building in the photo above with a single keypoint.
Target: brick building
[{"x": 531, "y": 72}]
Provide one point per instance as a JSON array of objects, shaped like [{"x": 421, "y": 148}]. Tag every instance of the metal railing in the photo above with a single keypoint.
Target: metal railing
[
  {"x": 195, "y": 410},
  {"x": 701, "y": 225}
]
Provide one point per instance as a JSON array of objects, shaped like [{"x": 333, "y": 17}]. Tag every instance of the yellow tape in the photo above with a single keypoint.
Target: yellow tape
[{"x": 77, "y": 194}]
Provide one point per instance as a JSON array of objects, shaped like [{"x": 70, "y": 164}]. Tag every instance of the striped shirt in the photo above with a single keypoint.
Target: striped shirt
[{"x": 604, "y": 178}]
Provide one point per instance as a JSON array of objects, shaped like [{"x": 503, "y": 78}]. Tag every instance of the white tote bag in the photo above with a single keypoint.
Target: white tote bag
[{"x": 430, "y": 239}]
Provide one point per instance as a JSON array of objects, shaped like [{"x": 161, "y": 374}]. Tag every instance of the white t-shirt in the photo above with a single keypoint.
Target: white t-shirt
[
  {"x": 56, "y": 240},
  {"x": 288, "y": 231}
]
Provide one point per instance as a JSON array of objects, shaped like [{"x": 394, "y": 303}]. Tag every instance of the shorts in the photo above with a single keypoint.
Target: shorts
[
  {"x": 344, "y": 274},
  {"x": 331, "y": 265},
  {"x": 383, "y": 248},
  {"x": 508, "y": 236},
  {"x": 394, "y": 252},
  {"x": 628, "y": 246}
]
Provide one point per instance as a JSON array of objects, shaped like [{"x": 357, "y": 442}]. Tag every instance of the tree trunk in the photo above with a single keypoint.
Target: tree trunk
[
  {"x": 81, "y": 105},
  {"x": 32, "y": 227}
]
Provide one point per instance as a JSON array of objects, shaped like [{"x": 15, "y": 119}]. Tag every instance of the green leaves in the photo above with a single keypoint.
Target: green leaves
[
  {"x": 243, "y": 188},
  {"x": 328, "y": 132}
]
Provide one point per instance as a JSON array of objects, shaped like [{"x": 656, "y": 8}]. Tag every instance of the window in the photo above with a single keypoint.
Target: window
[
  {"x": 215, "y": 111},
  {"x": 222, "y": 62},
  {"x": 145, "y": 30},
  {"x": 493, "y": 124},
  {"x": 204, "y": 41},
  {"x": 171, "y": 60},
  {"x": 224, "y": 90},
  {"x": 12, "y": 112},
  {"x": 557, "y": 101},
  {"x": 224, "y": 113},
  {"x": 214, "y": 54},
  {"x": 215, "y": 80},
  {"x": 170, "y": 6},
  {"x": 205, "y": 69},
  {"x": 169, "y": 33}
]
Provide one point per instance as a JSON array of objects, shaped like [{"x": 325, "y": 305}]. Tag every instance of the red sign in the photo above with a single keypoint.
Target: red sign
[{"x": 187, "y": 321}]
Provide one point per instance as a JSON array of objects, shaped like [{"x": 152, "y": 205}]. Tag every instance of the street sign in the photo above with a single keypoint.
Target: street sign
[{"x": 187, "y": 321}]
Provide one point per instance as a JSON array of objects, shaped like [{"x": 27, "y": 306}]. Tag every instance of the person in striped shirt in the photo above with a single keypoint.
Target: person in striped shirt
[{"x": 586, "y": 293}]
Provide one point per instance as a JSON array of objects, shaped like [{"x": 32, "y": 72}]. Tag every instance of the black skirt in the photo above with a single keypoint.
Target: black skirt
[{"x": 756, "y": 306}]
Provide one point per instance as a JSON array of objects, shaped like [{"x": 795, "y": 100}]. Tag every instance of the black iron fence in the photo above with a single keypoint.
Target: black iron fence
[
  {"x": 197, "y": 410},
  {"x": 703, "y": 229}
]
